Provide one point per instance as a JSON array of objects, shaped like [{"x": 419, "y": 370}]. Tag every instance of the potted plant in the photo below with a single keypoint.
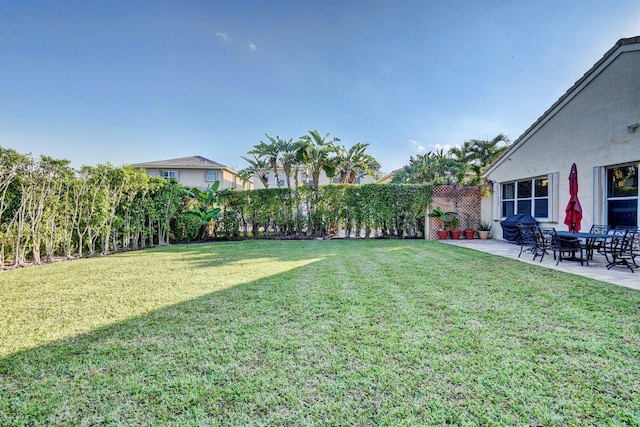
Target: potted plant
[
  {"x": 444, "y": 218},
  {"x": 469, "y": 233},
  {"x": 483, "y": 230},
  {"x": 452, "y": 223}
]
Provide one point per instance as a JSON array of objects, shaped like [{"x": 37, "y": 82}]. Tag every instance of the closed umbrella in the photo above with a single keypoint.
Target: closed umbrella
[{"x": 574, "y": 210}]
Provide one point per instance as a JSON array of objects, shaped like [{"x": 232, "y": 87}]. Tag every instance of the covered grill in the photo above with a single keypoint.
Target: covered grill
[{"x": 510, "y": 230}]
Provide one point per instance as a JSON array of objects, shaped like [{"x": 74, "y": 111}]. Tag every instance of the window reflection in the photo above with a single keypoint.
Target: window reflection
[{"x": 623, "y": 181}]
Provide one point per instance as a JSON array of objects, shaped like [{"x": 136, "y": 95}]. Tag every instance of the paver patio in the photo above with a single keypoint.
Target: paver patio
[{"x": 596, "y": 269}]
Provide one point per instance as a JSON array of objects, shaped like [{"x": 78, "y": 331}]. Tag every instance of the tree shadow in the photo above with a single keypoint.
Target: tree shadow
[
  {"x": 198, "y": 355},
  {"x": 251, "y": 348}
]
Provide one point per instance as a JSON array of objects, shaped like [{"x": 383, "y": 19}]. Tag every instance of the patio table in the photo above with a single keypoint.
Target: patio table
[{"x": 588, "y": 237}]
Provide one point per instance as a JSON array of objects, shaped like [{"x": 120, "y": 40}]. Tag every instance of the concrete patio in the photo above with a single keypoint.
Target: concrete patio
[{"x": 619, "y": 275}]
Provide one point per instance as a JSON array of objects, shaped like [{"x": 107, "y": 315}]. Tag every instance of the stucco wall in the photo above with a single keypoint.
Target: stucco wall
[
  {"x": 197, "y": 178},
  {"x": 367, "y": 179},
  {"x": 590, "y": 130}
]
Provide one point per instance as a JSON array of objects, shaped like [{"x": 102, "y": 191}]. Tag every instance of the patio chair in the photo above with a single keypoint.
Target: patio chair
[
  {"x": 611, "y": 246},
  {"x": 627, "y": 250},
  {"x": 568, "y": 248},
  {"x": 596, "y": 244},
  {"x": 534, "y": 240}
]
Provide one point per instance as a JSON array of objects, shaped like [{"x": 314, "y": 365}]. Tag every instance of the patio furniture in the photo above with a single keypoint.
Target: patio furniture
[
  {"x": 534, "y": 240},
  {"x": 567, "y": 248},
  {"x": 588, "y": 239},
  {"x": 626, "y": 251},
  {"x": 596, "y": 243},
  {"x": 615, "y": 238}
]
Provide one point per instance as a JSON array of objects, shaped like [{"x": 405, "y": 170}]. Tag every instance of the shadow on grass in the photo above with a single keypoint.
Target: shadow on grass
[
  {"x": 352, "y": 333},
  {"x": 223, "y": 355}
]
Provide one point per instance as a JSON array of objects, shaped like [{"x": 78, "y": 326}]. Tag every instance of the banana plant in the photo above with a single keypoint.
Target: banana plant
[{"x": 205, "y": 209}]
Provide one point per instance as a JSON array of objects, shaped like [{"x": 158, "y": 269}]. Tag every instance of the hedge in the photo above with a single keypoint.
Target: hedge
[{"x": 360, "y": 211}]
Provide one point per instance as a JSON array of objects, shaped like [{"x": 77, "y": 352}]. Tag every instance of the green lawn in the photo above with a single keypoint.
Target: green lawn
[{"x": 385, "y": 332}]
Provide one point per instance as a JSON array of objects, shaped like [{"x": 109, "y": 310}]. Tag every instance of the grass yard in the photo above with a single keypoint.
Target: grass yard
[{"x": 315, "y": 333}]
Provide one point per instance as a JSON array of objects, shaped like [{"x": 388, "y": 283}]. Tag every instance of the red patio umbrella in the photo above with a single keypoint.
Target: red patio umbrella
[{"x": 574, "y": 210}]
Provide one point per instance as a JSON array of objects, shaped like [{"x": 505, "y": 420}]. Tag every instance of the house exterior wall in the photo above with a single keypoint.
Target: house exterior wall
[
  {"x": 367, "y": 179},
  {"x": 588, "y": 128},
  {"x": 232, "y": 180},
  {"x": 197, "y": 178}
]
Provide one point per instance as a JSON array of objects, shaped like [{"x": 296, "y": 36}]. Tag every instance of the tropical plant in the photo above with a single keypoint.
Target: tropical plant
[
  {"x": 484, "y": 226},
  {"x": 443, "y": 216},
  {"x": 485, "y": 152},
  {"x": 261, "y": 168},
  {"x": 459, "y": 165},
  {"x": 354, "y": 163},
  {"x": 206, "y": 208},
  {"x": 314, "y": 153},
  {"x": 434, "y": 168},
  {"x": 287, "y": 157},
  {"x": 452, "y": 222},
  {"x": 270, "y": 153},
  {"x": 246, "y": 175}
]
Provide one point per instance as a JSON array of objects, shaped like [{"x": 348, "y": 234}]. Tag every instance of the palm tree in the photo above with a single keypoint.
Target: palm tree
[
  {"x": 354, "y": 163},
  {"x": 314, "y": 153},
  {"x": 269, "y": 152},
  {"x": 246, "y": 175},
  {"x": 463, "y": 153},
  {"x": 485, "y": 152},
  {"x": 260, "y": 168},
  {"x": 433, "y": 167},
  {"x": 287, "y": 158}
]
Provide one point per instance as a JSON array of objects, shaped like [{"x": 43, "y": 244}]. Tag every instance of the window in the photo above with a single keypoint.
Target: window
[
  {"x": 211, "y": 176},
  {"x": 168, "y": 174},
  {"x": 622, "y": 195},
  {"x": 530, "y": 197},
  {"x": 336, "y": 180}
]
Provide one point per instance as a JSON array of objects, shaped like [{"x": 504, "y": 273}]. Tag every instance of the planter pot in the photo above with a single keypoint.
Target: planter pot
[
  {"x": 484, "y": 235},
  {"x": 455, "y": 234},
  {"x": 443, "y": 234},
  {"x": 469, "y": 234}
]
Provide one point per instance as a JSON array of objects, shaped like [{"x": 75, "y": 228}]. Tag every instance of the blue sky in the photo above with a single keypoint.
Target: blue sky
[{"x": 134, "y": 81}]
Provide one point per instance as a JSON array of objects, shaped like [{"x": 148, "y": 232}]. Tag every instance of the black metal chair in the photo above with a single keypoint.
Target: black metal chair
[
  {"x": 611, "y": 246},
  {"x": 595, "y": 244},
  {"x": 626, "y": 251},
  {"x": 568, "y": 248},
  {"x": 534, "y": 240}
]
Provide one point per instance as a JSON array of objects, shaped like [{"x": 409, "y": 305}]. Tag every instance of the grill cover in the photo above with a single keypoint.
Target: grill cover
[{"x": 510, "y": 230}]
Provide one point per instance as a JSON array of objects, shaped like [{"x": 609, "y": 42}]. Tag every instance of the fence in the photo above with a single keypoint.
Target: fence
[{"x": 465, "y": 200}]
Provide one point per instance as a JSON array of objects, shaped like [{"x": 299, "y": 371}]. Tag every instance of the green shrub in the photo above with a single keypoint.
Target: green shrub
[
  {"x": 185, "y": 228},
  {"x": 373, "y": 209}
]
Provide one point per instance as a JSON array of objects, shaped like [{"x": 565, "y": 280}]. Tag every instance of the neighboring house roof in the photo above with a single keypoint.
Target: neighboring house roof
[
  {"x": 385, "y": 179},
  {"x": 193, "y": 162},
  {"x": 623, "y": 45}
]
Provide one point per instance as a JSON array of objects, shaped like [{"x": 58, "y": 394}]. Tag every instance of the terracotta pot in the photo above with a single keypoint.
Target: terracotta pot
[
  {"x": 469, "y": 234},
  {"x": 455, "y": 234},
  {"x": 443, "y": 234}
]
